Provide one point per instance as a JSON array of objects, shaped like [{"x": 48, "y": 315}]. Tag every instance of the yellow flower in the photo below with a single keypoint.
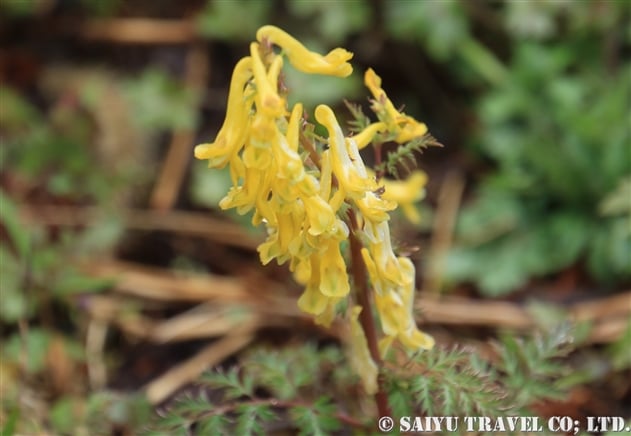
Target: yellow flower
[
  {"x": 312, "y": 300},
  {"x": 333, "y": 277},
  {"x": 320, "y": 215},
  {"x": 233, "y": 133},
  {"x": 374, "y": 208},
  {"x": 405, "y": 127},
  {"x": 285, "y": 148},
  {"x": 396, "y": 313},
  {"x": 328, "y": 315},
  {"x": 405, "y": 193},
  {"x": 280, "y": 236},
  {"x": 244, "y": 197},
  {"x": 382, "y": 264},
  {"x": 333, "y": 64},
  {"x": 365, "y": 137},
  {"x": 391, "y": 312},
  {"x": 359, "y": 355},
  {"x": 351, "y": 175},
  {"x": 268, "y": 101}
]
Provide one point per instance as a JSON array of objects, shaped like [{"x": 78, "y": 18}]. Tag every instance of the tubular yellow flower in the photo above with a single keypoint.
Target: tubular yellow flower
[
  {"x": 409, "y": 335},
  {"x": 244, "y": 197},
  {"x": 396, "y": 313},
  {"x": 333, "y": 64},
  {"x": 333, "y": 277},
  {"x": 289, "y": 163},
  {"x": 352, "y": 179},
  {"x": 405, "y": 193},
  {"x": 312, "y": 300},
  {"x": 271, "y": 249},
  {"x": 375, "y": 209},
  {"x": 380, "y": 249},
  {"x": 328, "y": 315},
  {"x": 233, "y": 133},
  {"x": 293, "y": 127},
  {"x": 405, "y": 127},
  {"x": 267, "y": 99},
  {"x": 391, "y": 312},
  {"x": 365, "y": 137},
  {"x": 319, "y": 214}
]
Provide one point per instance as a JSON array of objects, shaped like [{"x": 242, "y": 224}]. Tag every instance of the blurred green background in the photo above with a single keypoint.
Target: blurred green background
[{"x": 531, "y": 100}]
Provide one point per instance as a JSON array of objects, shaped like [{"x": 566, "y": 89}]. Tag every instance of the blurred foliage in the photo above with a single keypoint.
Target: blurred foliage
[
  {"x": 233, "y": 20},
  {"x": 85, "y": 146},
  {"x": 159, "y": 102},
  {"x": 558, "y": 135}
]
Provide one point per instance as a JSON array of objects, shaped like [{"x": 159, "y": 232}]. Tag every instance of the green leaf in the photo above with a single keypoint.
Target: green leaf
[
  {"x": 8, "y": 428},
  {"x": 71, "y": 283},
  {"x": 620, "y": 350},
  {"x": 33, "y": 347},
  {"x": 14, "y": 305},
  {"x": 610, "y": 250},
  {"x": 233, "y": 382},
  {"x": 318, "y": 420},
  {"x": 618, "y": 201},
  {"x": 251, "y": 419},
  {"x": 234, "y": 20},
  {"x": 15, "y": 112},
  {"x": 334, "y": 20},
  {"x": 399, "y": 399},
  {"x": 416, "y": 21},
  {"x": 65, "y": 414},
  {"x": 160, "y": 102},
  {"x": 213, "y": 425},
  {"x": 10, "y": 219}
]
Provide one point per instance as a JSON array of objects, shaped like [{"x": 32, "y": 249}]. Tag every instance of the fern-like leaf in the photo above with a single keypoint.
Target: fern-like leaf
[
  {"x": 318, "y": 420},
  {"x": 404, "y": 155},
  {"x": 233, "y": 383},
  {"x": 251, "y": 419},
  {"x": 360, "y": 121}
]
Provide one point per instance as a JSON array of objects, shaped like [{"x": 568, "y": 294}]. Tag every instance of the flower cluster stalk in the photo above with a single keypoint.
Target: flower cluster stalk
[{"x": 314, "y": 195}]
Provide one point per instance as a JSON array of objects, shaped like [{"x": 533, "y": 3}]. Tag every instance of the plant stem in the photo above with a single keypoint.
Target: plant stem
[{"x": 365, "y": 316}]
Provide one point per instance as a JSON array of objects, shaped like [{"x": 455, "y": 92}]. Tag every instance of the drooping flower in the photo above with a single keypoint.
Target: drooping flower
[
  {"x": 404, "y": 126},
  {"x": 351, "y": 175},
  {"x": 233, "y": 133},
  {"x": 335, "y": 63},
  {"x": 405, "y": 193}
]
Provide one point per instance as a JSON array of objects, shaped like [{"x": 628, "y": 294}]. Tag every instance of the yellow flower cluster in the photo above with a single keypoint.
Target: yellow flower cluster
[{"x": 301, "y": 201}]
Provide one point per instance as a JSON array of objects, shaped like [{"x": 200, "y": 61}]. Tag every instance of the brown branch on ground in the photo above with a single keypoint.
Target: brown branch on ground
[
  {"x": 139, "y": 31},
  {"x": 227, "y": 304},
  {"x": 448, "y": 204},
  {"x": 607, "y": 314},
  {"x": 165, "y": 385},
  {"x": 169, "y": 182},
  {"x": 187, "y": 223}
]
